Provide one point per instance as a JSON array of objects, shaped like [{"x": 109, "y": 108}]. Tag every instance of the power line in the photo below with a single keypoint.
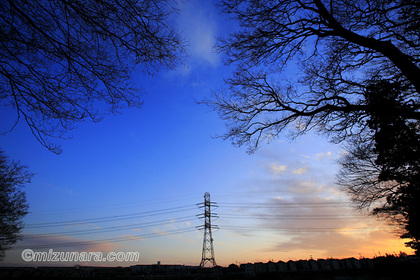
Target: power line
[
  {"x": 229, "y": 205},
  {"x": 284, "y": 204},
  {"x": 114, "y": 218},
  {"x": 298, "y": 229},
  {"x": 117, "y": 239},
  {"x": 292, "y": 216},
  {"x": 182, "y": 208},
  {"x": 113, "y": 205},
  {"x": 114, "y": 228}
]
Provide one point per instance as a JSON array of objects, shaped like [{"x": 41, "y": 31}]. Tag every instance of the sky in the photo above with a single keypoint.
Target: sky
[{"x": 131, "y": 182}]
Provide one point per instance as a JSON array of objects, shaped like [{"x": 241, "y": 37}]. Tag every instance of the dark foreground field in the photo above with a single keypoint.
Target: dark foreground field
[{"x": 381, "y": 268}]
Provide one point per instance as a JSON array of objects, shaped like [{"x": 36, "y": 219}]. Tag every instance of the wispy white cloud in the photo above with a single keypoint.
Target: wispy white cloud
[
  {"x": 323, "y": 155},
  {"x": 301, "y": 170},
  {"x": 60, "y": 190},
  {"x": 307, "y": 214},
  {"x": 198, "y": 25},
  {"x": 276, "y": 168},
  {"x": 338, "y": 244},
  {"x": 316, "y": 219}
]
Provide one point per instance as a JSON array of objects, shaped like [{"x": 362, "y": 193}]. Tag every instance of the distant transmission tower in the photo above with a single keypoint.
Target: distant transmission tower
[{"x": 207, "y": 255}]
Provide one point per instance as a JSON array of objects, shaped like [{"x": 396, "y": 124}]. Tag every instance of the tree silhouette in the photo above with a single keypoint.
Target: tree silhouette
[
  {"x": 383, "y": 169},
  {"x": 13, "y": 206},
  {"x": 338, "y": 46},
  {"x": 62, "y": 62},
  {"x": 349, "y": 69}
]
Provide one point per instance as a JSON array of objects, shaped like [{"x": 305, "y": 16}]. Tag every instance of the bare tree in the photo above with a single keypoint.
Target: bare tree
[
  {"x": 390, "y": 200},
  {"x": 323, "y": 65},
  {"x": 339, "y": 47},
  {"x": 359, "y": 175},
  {"x": 13, "y": 205},
  {"x": 382, "y": 168},
  {"x": 394, "y": 200},
  {"x": 65, "y": 61}
]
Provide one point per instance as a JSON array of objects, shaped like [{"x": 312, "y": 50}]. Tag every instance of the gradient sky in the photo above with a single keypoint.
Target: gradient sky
[{"x": 132, "y": 181}]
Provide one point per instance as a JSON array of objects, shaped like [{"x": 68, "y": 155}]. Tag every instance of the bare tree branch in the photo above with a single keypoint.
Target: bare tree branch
[
  {"x": 340, "y": 48},
  {"x": 13, "y": 205},
  {"x": 62, "y": 62}
]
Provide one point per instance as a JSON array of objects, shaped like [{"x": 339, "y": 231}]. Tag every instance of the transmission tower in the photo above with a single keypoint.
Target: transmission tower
[{"x": 207, "y": 255}]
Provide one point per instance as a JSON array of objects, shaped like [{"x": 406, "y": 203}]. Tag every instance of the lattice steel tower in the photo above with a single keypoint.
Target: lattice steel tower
[{"x": 207, "y": 255}]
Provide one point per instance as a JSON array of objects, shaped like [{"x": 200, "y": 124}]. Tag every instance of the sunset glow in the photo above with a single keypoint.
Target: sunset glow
[{"x": 132, "y": 182}]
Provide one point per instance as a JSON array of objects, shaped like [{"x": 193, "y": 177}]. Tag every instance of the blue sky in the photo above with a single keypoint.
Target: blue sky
[{"x": 128, "y": 168}]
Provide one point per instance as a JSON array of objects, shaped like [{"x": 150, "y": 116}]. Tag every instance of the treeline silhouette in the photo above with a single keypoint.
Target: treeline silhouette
[{"x": 390, "y": 266}]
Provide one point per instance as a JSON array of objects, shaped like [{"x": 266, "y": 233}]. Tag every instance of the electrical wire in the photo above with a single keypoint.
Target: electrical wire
[
  {"x": 113, "y": 228},
  {"x": 109, "y": 206},
  {"x": 117, "y": 239},
  {"x": 114, "y": 218},
  {"x": 300, "y": 229},
  {"x": 189, "y": 218},
  {"x": 286, "y": 217},
  {"x": 284, "y": 204}
]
